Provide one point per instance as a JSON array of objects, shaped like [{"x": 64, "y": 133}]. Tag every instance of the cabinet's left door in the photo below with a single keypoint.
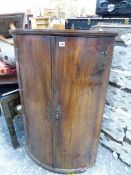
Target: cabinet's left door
[{"x": 34, "y": 72}]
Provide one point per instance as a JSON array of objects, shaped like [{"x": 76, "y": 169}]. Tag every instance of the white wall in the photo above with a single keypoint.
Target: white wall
[{"x": 9, "y": 6}]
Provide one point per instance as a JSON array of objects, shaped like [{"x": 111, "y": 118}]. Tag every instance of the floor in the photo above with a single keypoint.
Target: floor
[{"x": 17, "y": 162}]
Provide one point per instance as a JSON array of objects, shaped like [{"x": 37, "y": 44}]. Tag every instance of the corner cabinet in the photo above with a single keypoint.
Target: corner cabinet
[{"x": 63, "y": 77}]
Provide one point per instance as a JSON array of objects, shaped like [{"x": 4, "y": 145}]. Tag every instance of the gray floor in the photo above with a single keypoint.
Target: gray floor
[{"x": 17, "y": 162}]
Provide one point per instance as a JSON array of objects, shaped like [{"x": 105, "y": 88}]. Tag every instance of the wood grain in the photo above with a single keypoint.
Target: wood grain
[
  {"x": 80, "y": 91},
  {"x": 35, "y": 72},
  {"x": 69, "y": 74}
]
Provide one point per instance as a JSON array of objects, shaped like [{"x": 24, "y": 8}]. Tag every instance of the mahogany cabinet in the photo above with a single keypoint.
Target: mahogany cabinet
[{"x": 63, "y": 77}]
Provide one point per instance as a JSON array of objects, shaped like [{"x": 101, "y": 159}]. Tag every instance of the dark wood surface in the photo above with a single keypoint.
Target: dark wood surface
[
  {"x": 8, "y": 79},
  {"x": 35, "y": 83},
  {"x": 80, "y": 91},
  {"x": 52, "y": 32},
  {"x": 63, "y": 93},
  {"x": 12, "y": 18}
]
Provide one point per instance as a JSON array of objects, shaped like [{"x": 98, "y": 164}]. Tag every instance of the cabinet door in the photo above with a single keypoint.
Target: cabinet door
[
  {"x": 34, "y": 71},
  {"x": 81, "y": 72}
]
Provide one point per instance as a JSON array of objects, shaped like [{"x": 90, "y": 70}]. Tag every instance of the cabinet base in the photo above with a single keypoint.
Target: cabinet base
[{"x": 57, "y": 170}]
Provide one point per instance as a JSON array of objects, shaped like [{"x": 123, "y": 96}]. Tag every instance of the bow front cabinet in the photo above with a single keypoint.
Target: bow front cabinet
[{"x": 63, "y": 78}]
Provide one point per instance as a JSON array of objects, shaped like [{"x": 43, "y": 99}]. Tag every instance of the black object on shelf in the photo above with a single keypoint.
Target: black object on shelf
[
  {"x": 113, "y": 8},
  {"x": 87, "y": 23}
]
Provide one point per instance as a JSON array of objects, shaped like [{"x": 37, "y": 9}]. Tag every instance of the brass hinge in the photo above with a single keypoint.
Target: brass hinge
[
  {"x": 102, "y": 60},
  {"x": 49, "y": 111},
  {"x": 58, "y": 112}
]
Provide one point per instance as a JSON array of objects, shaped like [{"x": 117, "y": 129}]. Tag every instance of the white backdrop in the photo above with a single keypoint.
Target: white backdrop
[{"x": 9, "y": 6}]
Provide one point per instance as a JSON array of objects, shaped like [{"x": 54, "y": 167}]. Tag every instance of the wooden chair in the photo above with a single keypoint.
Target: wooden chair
[{"x": 8, "y": 108}]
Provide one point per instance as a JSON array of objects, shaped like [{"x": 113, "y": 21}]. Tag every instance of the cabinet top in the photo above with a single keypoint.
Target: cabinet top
[{"x": 52, "y": 32}]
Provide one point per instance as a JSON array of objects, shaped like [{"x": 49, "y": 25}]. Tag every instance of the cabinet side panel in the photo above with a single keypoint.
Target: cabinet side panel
[
  {"x": 35, "y": 79},
  {"x": 81, "y": 82}
]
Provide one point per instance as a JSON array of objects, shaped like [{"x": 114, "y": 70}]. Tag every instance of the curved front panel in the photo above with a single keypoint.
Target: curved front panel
[
  {"x": 34, "y": 71},
  {"x": 63, "y": 81},
  {"x": 81, "y": 75}
]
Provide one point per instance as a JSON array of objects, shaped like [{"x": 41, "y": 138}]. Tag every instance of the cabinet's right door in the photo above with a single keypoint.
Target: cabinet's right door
[{"x": 80, "y": 74}]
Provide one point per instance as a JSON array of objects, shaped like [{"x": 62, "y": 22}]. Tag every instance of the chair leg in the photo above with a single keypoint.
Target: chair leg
[
  {"x": 8, "y": 110},
  {"x": 12, "y": 132}
]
